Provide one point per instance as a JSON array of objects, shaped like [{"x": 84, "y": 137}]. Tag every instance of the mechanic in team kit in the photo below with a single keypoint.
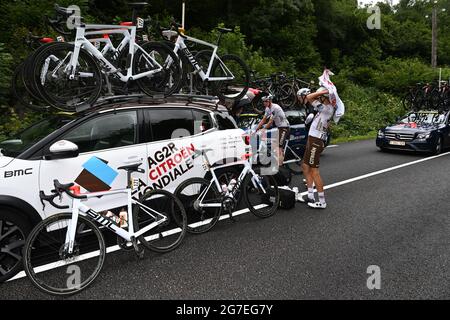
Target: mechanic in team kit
[{"x": 274, "y": 115}]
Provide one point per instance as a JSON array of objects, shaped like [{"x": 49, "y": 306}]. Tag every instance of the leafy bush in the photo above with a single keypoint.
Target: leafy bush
[{"x": 367, "y": 109}]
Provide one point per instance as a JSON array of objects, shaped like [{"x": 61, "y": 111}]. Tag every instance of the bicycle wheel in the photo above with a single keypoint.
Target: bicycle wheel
[
  {"x": 20, "y": 93},
  {"x": 258, "y": 105},
  {"x": 286, "y": 96},
  {"x": 51, "y": 268},
  {"x": 165, "y": 82},
  {"x": 233, "y": 67},
  {"x": 262, "y": 196},
  {"x": 154, "y": 206},
  {"x": 435, "y": 99},
  {"x": 445, "y": 100},
  {"x": 408, "y": 101},
  {"x": 28, "y": 69},
  {"x": 51, "y": 77},
  {"x": 295, "y": 162},
  {"x": 186, "y": 68},
  {"x": 199, "y": 220}
]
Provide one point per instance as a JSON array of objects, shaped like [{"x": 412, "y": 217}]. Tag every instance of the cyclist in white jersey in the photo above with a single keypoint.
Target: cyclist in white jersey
[
  {"x": 315, "y": 146},
  {"x": 274, "y": 114}
]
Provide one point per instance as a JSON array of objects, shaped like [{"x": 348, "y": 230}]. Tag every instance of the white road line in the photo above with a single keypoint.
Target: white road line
[
  {"x": 333, "y": 146},
  {"x": 243, "y": 211},
  {"x": 337, "y": 184}
]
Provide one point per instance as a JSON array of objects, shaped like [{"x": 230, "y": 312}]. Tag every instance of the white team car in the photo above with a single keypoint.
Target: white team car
[{"x": 88, "y": 148}]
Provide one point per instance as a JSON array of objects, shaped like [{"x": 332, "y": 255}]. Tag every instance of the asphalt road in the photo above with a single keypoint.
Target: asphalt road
[{"x": 398, "y": 221}]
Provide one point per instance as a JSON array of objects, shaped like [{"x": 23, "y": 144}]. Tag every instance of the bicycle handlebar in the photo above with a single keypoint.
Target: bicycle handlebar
[
  {"x": 60, "y": 188},
  {"x": 50, "y": 199},
  {"x": 57, "y": 192}
]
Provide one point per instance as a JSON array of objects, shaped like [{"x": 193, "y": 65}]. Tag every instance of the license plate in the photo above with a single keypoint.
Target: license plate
[{"x": 397, "y": 143}]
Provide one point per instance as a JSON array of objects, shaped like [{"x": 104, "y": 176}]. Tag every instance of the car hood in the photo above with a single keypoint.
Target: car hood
[
  {"x": 413, "y": 127},
  {"x": 4, "y": 161}
]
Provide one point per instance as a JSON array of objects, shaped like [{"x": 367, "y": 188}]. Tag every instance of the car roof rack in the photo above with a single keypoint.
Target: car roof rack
[{"x": 206, "y": 101}]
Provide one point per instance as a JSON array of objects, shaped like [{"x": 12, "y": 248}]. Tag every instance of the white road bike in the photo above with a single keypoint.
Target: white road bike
[
  {"x": 226, "y": 76},
  {"x": 69, "y": 75},
  {"x": 65, "y": 252},
  {"x": 205, "y": 200}
]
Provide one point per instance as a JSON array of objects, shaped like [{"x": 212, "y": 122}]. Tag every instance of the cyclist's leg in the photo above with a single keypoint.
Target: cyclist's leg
[{"x": 283, "y": 135}]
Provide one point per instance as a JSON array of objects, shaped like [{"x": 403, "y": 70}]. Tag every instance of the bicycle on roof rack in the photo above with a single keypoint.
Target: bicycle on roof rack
[
  {"x": 226, "y": 76},
  {"x": 69, "y": 75}
]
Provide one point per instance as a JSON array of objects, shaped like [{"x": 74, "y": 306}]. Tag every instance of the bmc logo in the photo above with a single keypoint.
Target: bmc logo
[{"x": 17, "y": 173}]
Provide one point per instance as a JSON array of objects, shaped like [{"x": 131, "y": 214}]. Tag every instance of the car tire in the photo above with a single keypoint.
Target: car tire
[
  {"x": 439, "y": 146},
  {"x": 14, "y": 229}
]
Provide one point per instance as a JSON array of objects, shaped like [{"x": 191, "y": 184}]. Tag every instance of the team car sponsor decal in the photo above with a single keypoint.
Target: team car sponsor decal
[
  {"x": 97, "y": 175},
  {"x": 18, "y": 173},
  {"x": 169, "y": 163}
]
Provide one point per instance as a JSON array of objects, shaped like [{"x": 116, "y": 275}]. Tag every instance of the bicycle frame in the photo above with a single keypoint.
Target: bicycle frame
[
  {"x": 79, "y": 208},
  {"x": 247, "y": 169},
  {"x": 129, "y": 34},
  {"x": 180, "y": 45},
  {"x": 296, "y": 156},
  {"x": 286, "y": 147}
]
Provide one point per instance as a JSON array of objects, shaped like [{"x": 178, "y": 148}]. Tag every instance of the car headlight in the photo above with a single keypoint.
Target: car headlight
[
  {"x": 380, "y": 134},
  {"x": 423, "y": 136}
]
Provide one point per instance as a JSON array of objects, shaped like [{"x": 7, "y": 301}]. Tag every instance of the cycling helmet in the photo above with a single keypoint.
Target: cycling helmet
[
  {"x": 303, "y": 92},
  {"x": 268, "y": 97}
]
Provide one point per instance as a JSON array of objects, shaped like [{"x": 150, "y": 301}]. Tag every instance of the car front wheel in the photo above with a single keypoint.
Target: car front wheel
[
  {"x": 438, "y": 147},
  {"x": 13, "y": 232}
]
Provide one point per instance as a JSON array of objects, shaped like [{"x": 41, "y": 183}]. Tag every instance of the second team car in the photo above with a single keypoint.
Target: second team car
[
  {"x": 421, "y": 131},
  {"x": 298, "y": 129}
]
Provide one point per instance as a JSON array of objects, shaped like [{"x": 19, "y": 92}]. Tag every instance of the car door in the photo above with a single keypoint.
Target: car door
[
  {"x": 106, "y": 142},
  {"x": 447, "y": 132},
  {"x": 173, "y": 134}
]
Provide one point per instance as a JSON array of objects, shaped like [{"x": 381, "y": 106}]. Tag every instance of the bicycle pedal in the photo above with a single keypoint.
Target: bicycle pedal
[{"x": 139, "y": 251}]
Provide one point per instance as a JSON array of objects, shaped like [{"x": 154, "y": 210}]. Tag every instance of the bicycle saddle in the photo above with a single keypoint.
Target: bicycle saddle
[{"x": 132, "y": 168}]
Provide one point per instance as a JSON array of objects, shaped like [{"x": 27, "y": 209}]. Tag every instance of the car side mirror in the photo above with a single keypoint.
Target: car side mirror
[{"x": 62, "y": 149}]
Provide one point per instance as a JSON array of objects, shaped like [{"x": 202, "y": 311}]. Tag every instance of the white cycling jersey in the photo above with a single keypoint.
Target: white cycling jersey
[
  {"x": 319, "y": 126},
  {"x": 279, "y": 118}
]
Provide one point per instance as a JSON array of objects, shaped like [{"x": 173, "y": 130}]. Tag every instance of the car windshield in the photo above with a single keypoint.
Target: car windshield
[
  {"x": 247, "y": 122},
  {"x": 18, "y": 143},
  {"x": 424, "y": 117}
]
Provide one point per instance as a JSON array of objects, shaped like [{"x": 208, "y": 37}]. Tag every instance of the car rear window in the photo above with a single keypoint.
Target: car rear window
[
  {"x": 167, "y": 124},
  {"x": 225, "y": 121}
]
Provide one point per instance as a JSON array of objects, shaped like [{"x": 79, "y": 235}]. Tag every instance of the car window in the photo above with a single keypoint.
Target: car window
[
  {"x": 424, "y": 117},
  {"x": 105, "y": 132},
  {"x": 167, "y": 124},
  {"x": 18, "y": 143},
  {"x": 225, "y": 121},
  {"x": 202, "y": 121},
  {"x": 295, "y": 117}
]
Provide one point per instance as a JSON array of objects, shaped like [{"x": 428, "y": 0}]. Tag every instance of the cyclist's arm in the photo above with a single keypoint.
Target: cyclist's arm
[
  {"x": 269, "y": 124},
  {"x": 261, "y": 123},
  {"x": 313, "y": 96}
]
